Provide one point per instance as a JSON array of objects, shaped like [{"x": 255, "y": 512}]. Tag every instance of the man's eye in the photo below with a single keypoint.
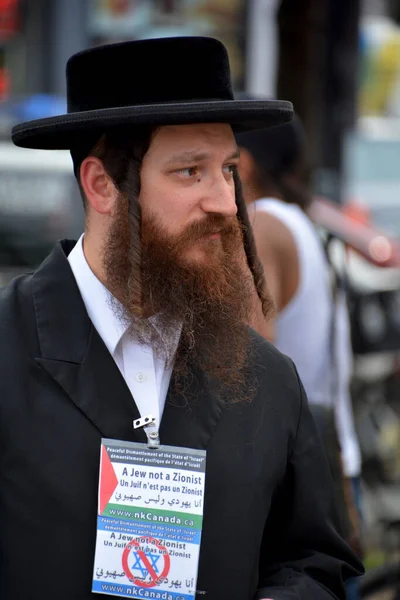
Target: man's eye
[
  {"x": 229, "y": 169},
  {"x": 188, "y": 172}
]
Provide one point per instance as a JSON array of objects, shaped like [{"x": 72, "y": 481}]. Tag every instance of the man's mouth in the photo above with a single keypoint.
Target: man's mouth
[{"x": 215, "y": 235}]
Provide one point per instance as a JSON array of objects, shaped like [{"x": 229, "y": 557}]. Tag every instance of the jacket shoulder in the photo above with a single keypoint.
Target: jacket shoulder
[
  {"x": 266, "y": 357},
  {"x": 16, "y": 308},
  {"x": 15, "y": 290}
]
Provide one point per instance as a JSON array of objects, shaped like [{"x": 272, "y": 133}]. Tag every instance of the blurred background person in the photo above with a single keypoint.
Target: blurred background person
[{"x": 311, "y": 323}]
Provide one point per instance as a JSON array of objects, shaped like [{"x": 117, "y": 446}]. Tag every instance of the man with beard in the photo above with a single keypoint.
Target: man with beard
[{"x": 146, "y": 315}]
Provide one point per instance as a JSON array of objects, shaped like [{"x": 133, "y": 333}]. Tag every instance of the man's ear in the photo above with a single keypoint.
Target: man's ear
[{"x": 97, "y": 185}]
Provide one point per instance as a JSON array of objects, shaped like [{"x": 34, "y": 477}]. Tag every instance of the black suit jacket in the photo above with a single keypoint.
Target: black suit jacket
[{"x": 269, "y": 524}]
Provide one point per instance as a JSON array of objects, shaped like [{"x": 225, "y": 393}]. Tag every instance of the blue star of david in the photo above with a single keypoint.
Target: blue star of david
[{"x": 138, "y": 566}]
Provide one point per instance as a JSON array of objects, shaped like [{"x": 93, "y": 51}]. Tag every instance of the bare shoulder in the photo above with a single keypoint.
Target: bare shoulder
[
  {"x": 278, "y": 252},
  {"x": 270, "y": 232}
]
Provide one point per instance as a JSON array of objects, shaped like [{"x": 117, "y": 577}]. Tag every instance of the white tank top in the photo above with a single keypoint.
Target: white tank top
[{"x": 304, "y": 329}]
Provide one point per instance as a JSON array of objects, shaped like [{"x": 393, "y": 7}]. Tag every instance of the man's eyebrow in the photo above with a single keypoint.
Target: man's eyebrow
[
  {"x": 194, "y": 156},
  {"x": 234, "y": 154}
]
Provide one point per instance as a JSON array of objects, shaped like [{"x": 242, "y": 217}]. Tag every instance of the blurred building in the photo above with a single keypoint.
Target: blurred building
[{"x": 36, "y": 36}]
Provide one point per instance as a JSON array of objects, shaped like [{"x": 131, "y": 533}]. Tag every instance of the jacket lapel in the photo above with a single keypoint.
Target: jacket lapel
[
  {"x": 190, "y": 418},
  {"x": 75, "y": 356}
]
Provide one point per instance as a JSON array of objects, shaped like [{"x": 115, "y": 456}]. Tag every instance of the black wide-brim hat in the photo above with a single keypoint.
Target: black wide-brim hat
[{"x": 167, "y": 81}]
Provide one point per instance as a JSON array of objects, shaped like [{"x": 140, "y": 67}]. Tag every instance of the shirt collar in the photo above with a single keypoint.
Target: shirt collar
[
  {"x": 97, "y": 299},
  {"x": 98, "y": 302}
]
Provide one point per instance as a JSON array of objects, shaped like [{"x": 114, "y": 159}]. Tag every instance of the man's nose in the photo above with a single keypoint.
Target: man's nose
[{"x": 220, "y": 198}]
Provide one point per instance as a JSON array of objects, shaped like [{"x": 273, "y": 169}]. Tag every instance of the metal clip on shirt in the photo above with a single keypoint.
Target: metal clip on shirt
[{"x": 153, "y": 438}]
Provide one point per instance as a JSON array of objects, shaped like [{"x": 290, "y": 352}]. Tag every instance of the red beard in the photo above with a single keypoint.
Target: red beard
[{"x": 209, "y": 299}]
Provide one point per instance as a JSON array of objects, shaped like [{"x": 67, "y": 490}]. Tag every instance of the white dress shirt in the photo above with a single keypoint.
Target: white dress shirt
[{"x": 146, "y": 374}]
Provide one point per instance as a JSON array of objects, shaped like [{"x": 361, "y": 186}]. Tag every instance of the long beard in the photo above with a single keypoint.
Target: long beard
[{"x": 208, "y": 301}]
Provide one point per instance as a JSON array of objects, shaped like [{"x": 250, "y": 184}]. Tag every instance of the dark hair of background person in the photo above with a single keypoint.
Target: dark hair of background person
[{"x": 280, "y": 162}]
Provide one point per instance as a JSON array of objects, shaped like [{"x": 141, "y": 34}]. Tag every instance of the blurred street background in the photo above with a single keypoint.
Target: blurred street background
[{"x": 338, "y": 61}]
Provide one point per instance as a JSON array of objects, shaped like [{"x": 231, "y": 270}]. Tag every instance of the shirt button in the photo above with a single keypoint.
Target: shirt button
[{"x": 140, "y": 377}]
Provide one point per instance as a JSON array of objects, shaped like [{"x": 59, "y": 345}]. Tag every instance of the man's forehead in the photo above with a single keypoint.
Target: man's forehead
[
  {"x": 194, "y": 138},
  {"x": 212, "y": 129}
]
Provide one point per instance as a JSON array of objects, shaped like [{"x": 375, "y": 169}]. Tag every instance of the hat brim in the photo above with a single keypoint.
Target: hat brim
[{"x": 65, "y": 131}]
